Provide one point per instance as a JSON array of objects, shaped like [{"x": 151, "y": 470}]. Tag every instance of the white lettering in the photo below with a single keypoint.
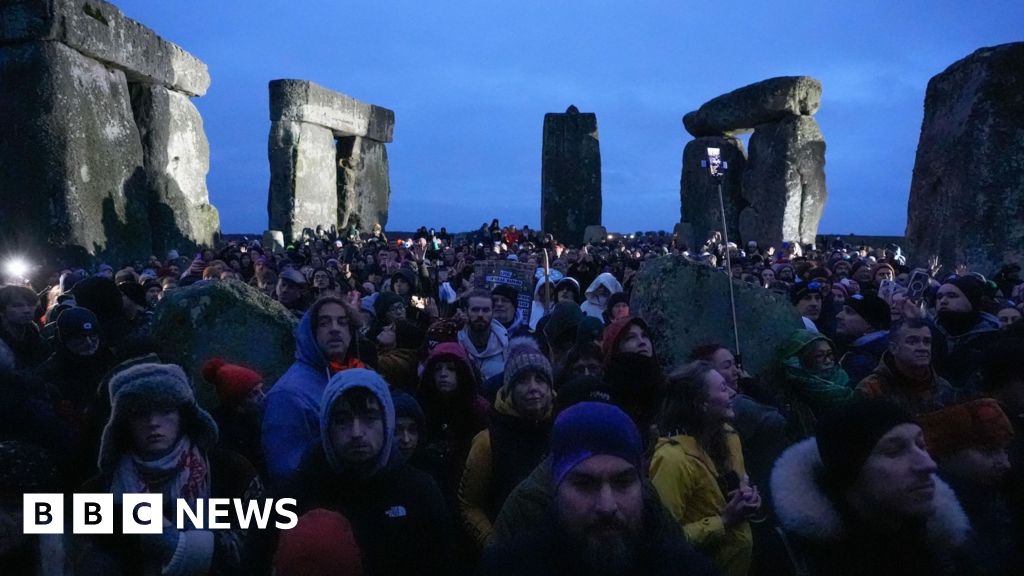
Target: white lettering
[
  {"x": 252, "y": 508},
  {"x": 291, "y": 515},
  {"x": 219, "y": 508},
  {"x": 195, "y": 516}
]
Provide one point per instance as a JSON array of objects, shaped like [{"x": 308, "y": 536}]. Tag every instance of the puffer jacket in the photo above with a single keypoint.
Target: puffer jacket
[{"x": 914, "y": 396}]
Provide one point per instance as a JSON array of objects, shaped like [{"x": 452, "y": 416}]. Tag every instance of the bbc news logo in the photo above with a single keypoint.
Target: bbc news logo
[{"x": 144, "y": 513}]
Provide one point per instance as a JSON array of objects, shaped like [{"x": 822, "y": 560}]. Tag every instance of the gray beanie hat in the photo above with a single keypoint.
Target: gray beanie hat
[
  {"x": 524, "y": 355},
  {"x": 149, "y": 384}
]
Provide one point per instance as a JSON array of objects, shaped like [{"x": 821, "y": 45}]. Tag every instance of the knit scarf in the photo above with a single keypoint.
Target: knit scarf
[
  {"x": 823, "y": 388},
  {"x": 183, "y": 473}
]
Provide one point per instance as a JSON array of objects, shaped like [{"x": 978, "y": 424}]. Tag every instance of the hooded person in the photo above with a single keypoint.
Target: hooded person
[
  {"x": 158, "y": 440},
  {"x": 544, "y": 295},
  {"x": 633, "y": 372},
  {"x": 598, "y": 293},
  {"x": 326, "y": 341},
  {"x": 619, "y": 528},
  {"x": 397, "y": 512},
  {"x": 483, "y": 338},
  {"x": 514, "y": 442},
  {"x": 455, "y": 413},
  {"x": 811, "y": 381},
  {"x": 862, "y": 497},
  {"x": 963, "y": 330},
  {"x": 567, "y": 290}
]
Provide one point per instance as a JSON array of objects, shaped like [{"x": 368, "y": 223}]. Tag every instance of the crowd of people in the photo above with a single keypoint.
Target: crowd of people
[{"x": 432, "y": 424}]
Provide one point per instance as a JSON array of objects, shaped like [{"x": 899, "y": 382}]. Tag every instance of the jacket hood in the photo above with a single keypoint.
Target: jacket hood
[
  {"x": 338, "y": 385},
  {"x": 806, "y": 510},
  {"x": 306, "y": 349},
  {"x": 798, "y": 340},
  {"x": 450, "y": 352},
  {"x": 614, "y": 332},
  {"x": 607, "y": 280}
]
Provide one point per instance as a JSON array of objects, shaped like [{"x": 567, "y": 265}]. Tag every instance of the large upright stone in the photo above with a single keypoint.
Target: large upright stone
[
  {"x": 364, "y": 188},
  {"x": 687, "y": 304},
  {"x": 967, "y": 194},
  {"x": 570, "y": 175},
  {"x": 784, "y": 182},
  {"x": 303, "y": 178},
  {"x": 177, "y": 159},
  {"x": 699, "y": 191},
  {"x": 72, "y": 161},
  {"x": 99, "y": 30},
  {"x": 744, "y": 108}
]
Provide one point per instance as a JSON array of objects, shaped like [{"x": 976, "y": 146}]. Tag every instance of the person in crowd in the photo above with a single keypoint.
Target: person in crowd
[
  {"x": 905, "y": 375},
  {"x": 514, "y": 442},
  {"x": 137, "y": 314},
  {"x": 811, "y": 381},
  {"x": 326, "y": 342},
  {"x": 863, "y": 326},
  {"x": 970, "y": 443},
  {"x": 862, "y": 497},
  {"x": 505, "y": 302},
  {"x": 962, "y": 329},
  {"x": 698, "y": 468},
  {"x": 455, "y": 413},
  {"x": 18, "y": 331},
  {"x": 634, "y": 373},
  {"x": 154, "y": 292},
  {"x": 598, "y": 293},
  {"x": 400, "y": 349},
  {"x": 355, "y": 468},
  {"x": 584, "y": 359},
  {"x": 544, "y": 300},
  {"x": 410, "y": 424},
  {"x": 617, "y": 308},
  {"x": 239, "y": 414},
  {"x": 567, "y": 290},
  {"x": 806, "y": 297},
  {"x": 323, "y": 283},
  {"x": 292, "y": 291},
  {"x": 322, "y": 543},
  {"x": 484, "y": 339},
  {"x": 1008, "y": 315},
  {"x": 78, "y": 363},
  {"x": 1003, "y": 380},
  {"x": 598, "y": 519},
  {"x": 159, "y": 440},
  {"x": 265, "y": 280}
]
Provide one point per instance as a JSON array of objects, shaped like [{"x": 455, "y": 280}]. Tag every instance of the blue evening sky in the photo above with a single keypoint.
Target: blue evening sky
[{"x": 470, "y": 82}]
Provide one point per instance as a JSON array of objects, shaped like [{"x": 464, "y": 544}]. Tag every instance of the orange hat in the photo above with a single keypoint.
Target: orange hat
[
  {"x": 233, "y": 382},
  {"x": 321, "y": 544},
  {"x": 976, "y": 423}
]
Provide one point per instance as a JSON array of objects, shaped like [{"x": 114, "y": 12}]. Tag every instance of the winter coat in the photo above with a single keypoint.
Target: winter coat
[
  {"x": 690, "y": 486},
  {"x": 914, "y": 396},
  {"x": 543, "y": 549},
  {"x": 30, "y": 351},
  {"x": 592, "y": 307},
  {"x": 803, "y": 394},
  {"x": 825, "y": 541},
  {"x": 291, "y": 417},
  {"x": 863, "y": 354},
  {"x": 957, "y": 358},
  {"x": 491, "y": 360},
  {"x": 500, "y": 458}
]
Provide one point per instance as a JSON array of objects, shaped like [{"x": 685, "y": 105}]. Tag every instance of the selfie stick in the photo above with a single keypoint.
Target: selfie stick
[
  {"x": 547, "y": 283},
  {"x": 717, "y": 167}
]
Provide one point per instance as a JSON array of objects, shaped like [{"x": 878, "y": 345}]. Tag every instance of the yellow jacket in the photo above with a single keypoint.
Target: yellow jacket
[{"x": 688, "y": 484}]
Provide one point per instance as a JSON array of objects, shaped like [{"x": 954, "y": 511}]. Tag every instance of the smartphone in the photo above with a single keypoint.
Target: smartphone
[
  {"x": 885, "y": 290},
  {"x": 918, "y": 284}
]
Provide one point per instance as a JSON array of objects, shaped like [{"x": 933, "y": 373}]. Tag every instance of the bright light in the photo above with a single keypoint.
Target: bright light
[{"x": 16, "y": 268}]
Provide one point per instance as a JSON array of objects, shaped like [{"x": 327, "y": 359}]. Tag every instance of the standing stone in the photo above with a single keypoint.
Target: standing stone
[
  {"x": 759, "y": 103},
  {"x": 273, "y": 241},
  {"x": 303, "y": 178},
  {"x": 73, "y": 165},
  {"x": 570, "y": 175},
  {"x": 967, "y": 194},
  {"x": 364, "y": 188},
  {"x": 177, "y": 159},
  {"x": 784, "y": 182},
  {"x": 699, "y": 191}
]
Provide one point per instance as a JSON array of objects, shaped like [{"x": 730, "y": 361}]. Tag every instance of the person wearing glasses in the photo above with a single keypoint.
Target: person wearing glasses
[{"x": 811, "y": 381}]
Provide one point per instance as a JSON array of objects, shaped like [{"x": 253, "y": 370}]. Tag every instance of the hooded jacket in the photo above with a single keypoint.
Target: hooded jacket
[
  {"x": 291, "y": 416},
  {"x": 491, "y": 360},
  {"x": 958, "y": 357},
  {"x": 864, "y": 353},
  {"x": 806, "y": 394},
  {"x": 593, "y": 306},
  {"x": 689, "y": 486},
  {"x": 823, "y": 541},
  {"x": 914, "y": 396},
  {"x": 397, "y": 513}
]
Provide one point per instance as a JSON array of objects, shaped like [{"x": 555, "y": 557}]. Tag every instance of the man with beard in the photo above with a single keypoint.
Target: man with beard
[
  {"x": 504, "y": 299},
  {"x": 962, "y": 330},
  {"x": 599, "y": 521},
  {"x": 904, "y": 375},
  {"x": 483, "y": 338},
  {"x": 861, "y": 327}
]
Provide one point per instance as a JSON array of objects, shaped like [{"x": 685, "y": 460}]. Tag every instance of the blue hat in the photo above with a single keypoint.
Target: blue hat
[{"x": 590, "y": 429}]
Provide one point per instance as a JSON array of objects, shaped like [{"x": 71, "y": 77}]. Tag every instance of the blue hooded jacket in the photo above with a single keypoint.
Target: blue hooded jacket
[
  {"x": 291, "y": 419},
  {"x": 341, "y": 383}
]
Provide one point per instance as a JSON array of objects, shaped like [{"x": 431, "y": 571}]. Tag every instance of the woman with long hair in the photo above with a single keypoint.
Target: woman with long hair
[{"x": 698, "y": 468}]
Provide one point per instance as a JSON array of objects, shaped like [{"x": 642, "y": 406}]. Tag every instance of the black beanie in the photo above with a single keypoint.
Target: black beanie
[
  {"x": 872, "y": 309},
  {"x": 847, "y": 435},
  {"x": 972, "y": 287}
]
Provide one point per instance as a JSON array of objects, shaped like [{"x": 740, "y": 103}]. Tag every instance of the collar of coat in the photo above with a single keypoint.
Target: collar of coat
[{"x": 805, "y": 510}]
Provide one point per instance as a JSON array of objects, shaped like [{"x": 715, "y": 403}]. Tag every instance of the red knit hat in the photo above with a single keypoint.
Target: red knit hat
[
  {"x": 321, "y": 544},
  {"x": 233, "y": 382},
  {"x": 972, "y": 424}
]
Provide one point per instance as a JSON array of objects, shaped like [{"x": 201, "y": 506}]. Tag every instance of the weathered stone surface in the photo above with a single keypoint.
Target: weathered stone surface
[
  {"x": 699, "y": 191},
  {"x": 305, "y": 101},
  {"x": 687, "y": 304},
  {"x": 303, "y": 178},
  {"x": 784, "y": 182},
  {"x": 744, "y": 108},
  {"x": 99, "y": 30},
  {"x": 364, "y": 186},
  {"x": 228, "y": 319},
  {"x": 273, "y": 241},
  {"x": 595, "y": 234},
  {"x": 177, "y": 159},
  {"x": 570, "y": 175},
  {"x": 73, "y": 165},
  {"x": 967, "y": 194}
]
